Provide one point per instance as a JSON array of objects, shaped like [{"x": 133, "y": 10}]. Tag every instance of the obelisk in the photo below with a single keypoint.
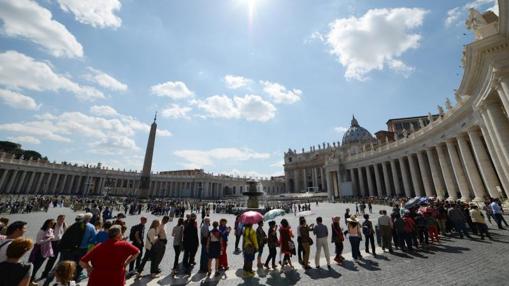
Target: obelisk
[{"x": 147, "y": 163}]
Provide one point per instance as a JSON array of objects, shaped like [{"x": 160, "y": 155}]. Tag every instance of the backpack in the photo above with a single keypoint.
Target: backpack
[
  {"x": 72, "y": 236},
  {"x": 366, "y": 229},
  {"x": 132, "y": 232}
]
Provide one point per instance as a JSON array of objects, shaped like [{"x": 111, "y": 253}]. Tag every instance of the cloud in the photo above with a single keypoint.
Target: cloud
[
  {"x": 108, "y": 136},
  {"x": 176, "y": 111},
  {"x": 340, "y": 129},
  {"x": 26, "y": 19},
  {"x": 97, "y": 13},
  {"x": 235, "y": 82},
  {"x": 25, "y": 139},
  {"x": 19, "y": 71},
  {"x": 103, "y": 110},
  {"x": 17, "y": 100},
  {"x": 105, "y": 80},
  {"x": 280, "y": 94},
  {"x": 278, "y": 164},
  {"x": 195, "y": 159},
  {"x": 248, "y": 107},
  {"x": 456, "y": 14},
  {"x": 375, "y": 40},
  {"x": 172, "y": 89}
]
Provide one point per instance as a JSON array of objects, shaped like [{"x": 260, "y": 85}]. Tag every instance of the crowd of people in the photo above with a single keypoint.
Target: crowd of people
[{"x": 109, "y": 251}]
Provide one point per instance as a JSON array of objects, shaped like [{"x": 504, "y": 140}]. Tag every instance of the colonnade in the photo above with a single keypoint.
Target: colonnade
[
  {"x": 472, "y": 165},
  {"x": 309, "y": 177}
]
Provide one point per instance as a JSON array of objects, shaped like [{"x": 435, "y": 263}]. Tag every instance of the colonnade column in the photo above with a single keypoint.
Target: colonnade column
[
  {"x": 500, "y": 127},
  {"x": 378, "y": 180},
  {"x": 371, "y": 188},
  {"x": 502, "y": 88},
  {"x": 30, "y": 182},
  {"x": 11, "y": 182},
  {"x": 405, "y": 176},
  {"x": 426, "y": 178},
  {"x": 458, "y": 171},
  {"x": 395, "y": 178},
  {"x": 503, "y": 173},
  {"x": 484, "y": 163},
  {"x": 452, "y": 189},
  {"x": 472, "y": 171},
  {"x": 435, "y": 173},
  {"x": 388, "y": 189},
  {"x": 361, "y": 181},
  {"x": 415, "y": 176},
  {"x": 21, "y": 180}
]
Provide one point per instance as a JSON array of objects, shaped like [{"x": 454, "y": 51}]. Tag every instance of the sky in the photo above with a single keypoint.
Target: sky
[{"x": 236, "y": 83}]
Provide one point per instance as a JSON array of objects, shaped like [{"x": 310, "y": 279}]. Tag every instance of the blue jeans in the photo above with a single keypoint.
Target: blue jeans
[{"x": 355, "y": 242}]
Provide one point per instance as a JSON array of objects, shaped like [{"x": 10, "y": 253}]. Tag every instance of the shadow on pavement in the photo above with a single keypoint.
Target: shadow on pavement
[
  {"x": 322, "y": 273},
  {"x": 369, "y": 265}
]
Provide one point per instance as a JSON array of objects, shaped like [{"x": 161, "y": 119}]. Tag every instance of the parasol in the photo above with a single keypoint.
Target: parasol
[
  {"x": 251, "y": 217},
  {"x": 272, "y": 214}
]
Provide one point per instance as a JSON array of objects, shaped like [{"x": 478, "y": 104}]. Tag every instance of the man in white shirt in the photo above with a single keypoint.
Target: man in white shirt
[{"x": 14, "y": 230}]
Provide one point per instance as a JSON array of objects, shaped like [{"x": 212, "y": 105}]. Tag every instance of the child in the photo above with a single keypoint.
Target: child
[{"x": 64, "y": 272}]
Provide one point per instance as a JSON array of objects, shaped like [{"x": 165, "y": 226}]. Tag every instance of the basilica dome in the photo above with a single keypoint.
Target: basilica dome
[{"x": 356, "y": 134}]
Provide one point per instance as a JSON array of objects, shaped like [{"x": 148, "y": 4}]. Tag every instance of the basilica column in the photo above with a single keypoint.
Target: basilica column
[
  {"x": 426, "y": 177},
  {"x": 415, "y": 176},
  {"x": 458, "y": 171},
  {"x": 378, "y": 180},
  {"x": 370, "y": 181},
  {"x": 502, "y": 87},
  {"x": 322, "y": 177},
  {"x": 471, "y": 168},
  {"x": 361, "y": 182},
  {"x": 445, "y": 166},
  {"x": 388, "y": 189},
  {"x": 395, "y": 178},
  {"x": 484, "y": 163},
  {"x": 405, "y": 176},
  {"x": 355, "y": 188},
  {"x": 435, "y": 173}
]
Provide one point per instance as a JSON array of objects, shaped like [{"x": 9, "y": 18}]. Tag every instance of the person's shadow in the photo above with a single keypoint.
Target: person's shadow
[{"x": 322, "y": 273}]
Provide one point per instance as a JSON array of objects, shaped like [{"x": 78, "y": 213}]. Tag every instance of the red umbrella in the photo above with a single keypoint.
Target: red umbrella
[{"x": 251, "y": 217}]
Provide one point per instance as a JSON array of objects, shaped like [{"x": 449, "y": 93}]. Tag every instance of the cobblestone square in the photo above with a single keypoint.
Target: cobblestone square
[{"x": 452, "y": 262}]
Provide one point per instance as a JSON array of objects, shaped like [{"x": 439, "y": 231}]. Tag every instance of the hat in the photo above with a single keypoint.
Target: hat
[
  {"x": 352, "y": 218},
  {"x": 79, "y": 217}
]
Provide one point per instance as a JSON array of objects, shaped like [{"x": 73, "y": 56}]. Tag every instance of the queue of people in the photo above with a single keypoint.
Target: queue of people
[{"x": 105, "y": 249}]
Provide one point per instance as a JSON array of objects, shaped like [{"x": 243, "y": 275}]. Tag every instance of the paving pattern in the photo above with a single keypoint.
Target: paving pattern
[{"x": 452, "y": 262}]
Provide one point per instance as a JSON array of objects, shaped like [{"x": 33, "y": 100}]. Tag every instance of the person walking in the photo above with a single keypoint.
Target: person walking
[
  {"x": 178, "y": 242},
  {"x": 12, "y": 271},
  {"x": 106, "y": 262},
  {"x": 225, "y": 232},
  {"x": 478, "y": 220},
  {"x": 306, "y": 241},
  {"x": 497, "y": 213},
  {"x": 191, "y": 242},
  {"x": 385, "y": 225},
  {"x": 272, "y": 243},
  {"x": 337, "y": 238},
  {"x": 149, "y": 254},
  {"x": 369, "y": 234},
  {"x": 213, "y": 248},
  {"x": 354, "y": 236},
  {"x": 136, "y": 235},
  {"x": 261, "y": 237},
  {"x": 286, "y": 243},
  {"x": 322, "y": 233},
  {"x": 204, "y": 239},
  {"x": 42, "y": 248},
  {"x": 58, "y": 231},
  {"x": 249, "y": 248}
]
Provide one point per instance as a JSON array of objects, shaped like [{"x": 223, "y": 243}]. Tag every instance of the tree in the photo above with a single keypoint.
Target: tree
[
  {"x": 9, "y": 147},
  {"x": 27, "y": 154}
]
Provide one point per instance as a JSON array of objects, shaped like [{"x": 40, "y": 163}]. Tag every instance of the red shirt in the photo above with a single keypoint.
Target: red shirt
[{"x": 108, "y": 260}]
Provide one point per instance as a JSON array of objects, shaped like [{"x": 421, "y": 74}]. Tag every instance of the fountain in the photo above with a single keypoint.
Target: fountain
[{"x": 253, "y": 193}]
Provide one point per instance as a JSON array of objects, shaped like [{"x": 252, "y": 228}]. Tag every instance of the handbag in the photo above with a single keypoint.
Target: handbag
[{"x": 310, "y": 241}]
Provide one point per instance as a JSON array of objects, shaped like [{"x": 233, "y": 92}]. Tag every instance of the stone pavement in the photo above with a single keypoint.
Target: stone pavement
[{"x": 453, "y": 262}]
